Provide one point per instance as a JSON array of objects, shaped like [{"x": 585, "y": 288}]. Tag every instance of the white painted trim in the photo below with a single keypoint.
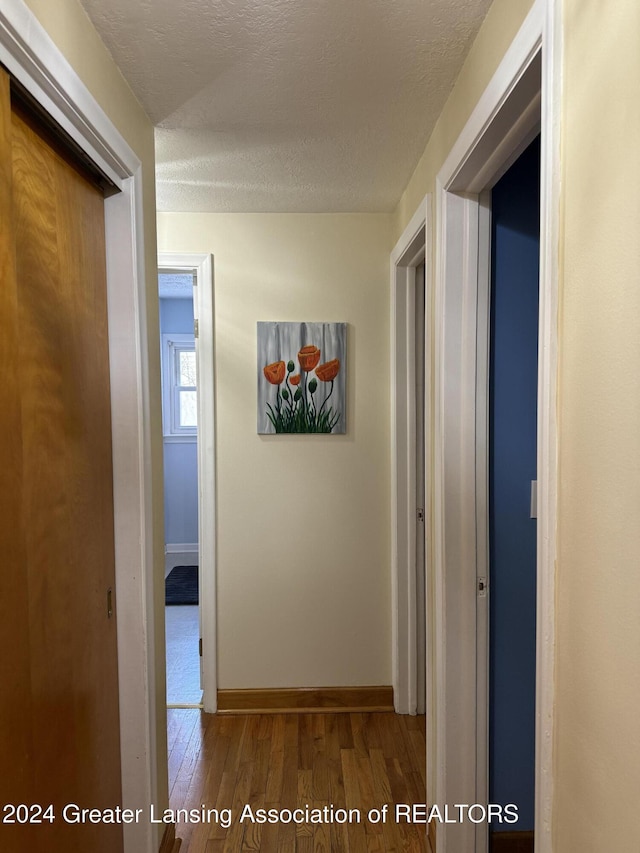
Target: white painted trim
[
  {"x": 31, "y": 56},
  {"x": 501, "y": 125},
  {"x": 482, "y": 509},
  {"x": 406, "y": 255},
  {"x": 181, "y": 548},
  {"x": 547, "y": 421},
  {"x": 180, "y": 554},
  {"x": 190, "y": 438},
  {"x": 430, "y": 674},
  {"x": 132, "y": 504},
  {"x": 504, "y": 121},
  {"x": 455, "y": 515},
  {"x": 203, "y": 310}
]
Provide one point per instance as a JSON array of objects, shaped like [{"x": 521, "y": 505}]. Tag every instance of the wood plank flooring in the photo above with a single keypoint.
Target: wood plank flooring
[{"x": 352, "y": 762}]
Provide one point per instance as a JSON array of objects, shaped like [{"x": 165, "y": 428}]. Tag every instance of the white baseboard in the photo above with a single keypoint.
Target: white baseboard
[{"x": 180, "y": 554}]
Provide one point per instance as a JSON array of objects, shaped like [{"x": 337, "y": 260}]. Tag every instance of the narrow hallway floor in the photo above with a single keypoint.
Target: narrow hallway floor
[
  {"x": 350, "y": 763},
  {"x": 183, "y": 659}
]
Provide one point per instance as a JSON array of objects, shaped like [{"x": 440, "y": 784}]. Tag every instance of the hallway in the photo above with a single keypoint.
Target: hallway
[
  {"x": 292, "y": 146},
  {"x": 288, "y": 761}
]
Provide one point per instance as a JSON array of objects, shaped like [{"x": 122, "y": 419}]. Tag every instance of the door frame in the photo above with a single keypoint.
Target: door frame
[
  {"x": 203, "y": 307},
  {"x": 410, "y": 250},
  {"x": 522, "y": 97},
  {"x": 413, "y": 247},
  {"x": 32, "y": 58}
]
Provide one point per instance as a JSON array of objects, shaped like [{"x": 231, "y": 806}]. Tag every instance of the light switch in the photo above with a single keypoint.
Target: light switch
[{"x": 534, "y": 499}]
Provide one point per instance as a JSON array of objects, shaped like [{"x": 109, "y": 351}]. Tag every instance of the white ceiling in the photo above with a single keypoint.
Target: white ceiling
[
  {"x": 175, "y": 285},
  {"x": 288, "y": 105}
]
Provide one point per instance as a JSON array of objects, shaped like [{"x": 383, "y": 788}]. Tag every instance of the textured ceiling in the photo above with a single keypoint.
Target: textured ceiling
[
  {"x": 288, "y": 105},
  {"x": 175, "y": 285}
]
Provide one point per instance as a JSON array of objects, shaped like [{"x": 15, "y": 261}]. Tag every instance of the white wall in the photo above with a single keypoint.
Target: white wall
[{"x": 303, "y": 522}]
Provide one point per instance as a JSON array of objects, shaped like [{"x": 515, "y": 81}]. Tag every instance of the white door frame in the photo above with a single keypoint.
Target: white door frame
[
  {"x": 405, "y": 257},
  {"x": 524, "y": 94},
  {"x": 203, "y": 313},
  {"x": 33, "y": 59},
  {"x": 413, "y": 247}
]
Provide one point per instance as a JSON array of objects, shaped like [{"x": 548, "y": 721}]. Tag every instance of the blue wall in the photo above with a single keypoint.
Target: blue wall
[
  {"x": 180, "y": 458},
  {"x": 512, "y": 466},
  {"x": 176, "y": 315}
]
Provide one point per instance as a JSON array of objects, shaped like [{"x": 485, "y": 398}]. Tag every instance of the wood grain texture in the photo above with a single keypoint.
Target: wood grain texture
[
  {"x": 169, "y": 843},
  {"x": 58, "y": 519},
  {"x": 16, "y": 707},
  {"x": 306, "y": 700},
  {"x": 511, "y": 842},
  {"x": 287, "y": 761},
  {"x": 432, "y": 835}
]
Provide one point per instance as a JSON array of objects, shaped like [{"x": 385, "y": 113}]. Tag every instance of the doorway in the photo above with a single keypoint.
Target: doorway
[
  {"x": 521, "y": 101},
  {"x": 186, "y": 316},
  {"x": 513, "y": 390},
  {"x": 411, "y": 464},
  {"x": 410, "y": 515},
  {"x": 180, "y": 436}
]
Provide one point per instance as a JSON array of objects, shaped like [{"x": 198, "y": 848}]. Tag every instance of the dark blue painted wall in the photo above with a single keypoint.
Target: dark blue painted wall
[{"x": 512, "y": 466}]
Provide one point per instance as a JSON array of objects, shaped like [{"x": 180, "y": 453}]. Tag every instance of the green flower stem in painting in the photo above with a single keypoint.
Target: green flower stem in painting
[
  {"x": 306, "y": 404},
  {"x": 290, "y": 369},
  {"x": 326, "y": 398}
]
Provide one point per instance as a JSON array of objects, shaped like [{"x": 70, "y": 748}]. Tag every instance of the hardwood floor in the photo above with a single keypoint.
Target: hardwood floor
[{"x": 354, "y": 762}]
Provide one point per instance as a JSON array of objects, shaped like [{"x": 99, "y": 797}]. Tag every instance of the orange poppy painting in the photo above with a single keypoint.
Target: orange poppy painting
[{"x": 302, "y": 378}]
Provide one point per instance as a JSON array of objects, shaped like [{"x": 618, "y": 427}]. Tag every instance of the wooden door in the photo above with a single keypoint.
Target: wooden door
[{"x": 59, "y": 723}]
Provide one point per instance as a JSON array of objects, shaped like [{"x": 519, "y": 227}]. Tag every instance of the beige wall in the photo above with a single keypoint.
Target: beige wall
[
  {"x": 303, "y": 522},
  {"x": 496, "y": 34},
  {"x": 597, "y": 763},
  {"x": 71, "y": 30}
]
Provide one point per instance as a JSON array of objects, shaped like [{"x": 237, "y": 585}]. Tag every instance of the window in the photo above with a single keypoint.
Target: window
[{"x": 179, "y": 387}]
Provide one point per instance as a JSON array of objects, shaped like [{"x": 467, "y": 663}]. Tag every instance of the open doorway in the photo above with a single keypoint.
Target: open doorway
[
  {"x": 411, "y": 517},
  {"x": 186, "y": 332},
  {"x": 513, "y": 391},
  {"x": 521, "y": 101},
  {"x": 180, "y": 436}
]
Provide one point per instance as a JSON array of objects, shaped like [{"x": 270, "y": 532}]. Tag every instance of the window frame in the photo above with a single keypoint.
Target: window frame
[{"x": 172, "y": 345}]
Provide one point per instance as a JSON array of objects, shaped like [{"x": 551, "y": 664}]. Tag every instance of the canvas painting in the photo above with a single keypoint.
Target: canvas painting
[{"x": 302, "y": 378}]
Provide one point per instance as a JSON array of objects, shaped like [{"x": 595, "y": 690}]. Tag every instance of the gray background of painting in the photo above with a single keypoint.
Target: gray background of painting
[{"x": 283, "y": 341}]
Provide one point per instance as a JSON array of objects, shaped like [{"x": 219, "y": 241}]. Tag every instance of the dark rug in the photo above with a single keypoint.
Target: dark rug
[{"x": 181, "y": 585}]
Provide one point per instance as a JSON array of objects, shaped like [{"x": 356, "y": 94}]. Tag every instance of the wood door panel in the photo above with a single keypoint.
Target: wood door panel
[
  {"x": 15, "y": 706},
  {"x": 66, "y": 504},
  {"x": 45, "y": 510},
  {"x": 88, "y": 469}
]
